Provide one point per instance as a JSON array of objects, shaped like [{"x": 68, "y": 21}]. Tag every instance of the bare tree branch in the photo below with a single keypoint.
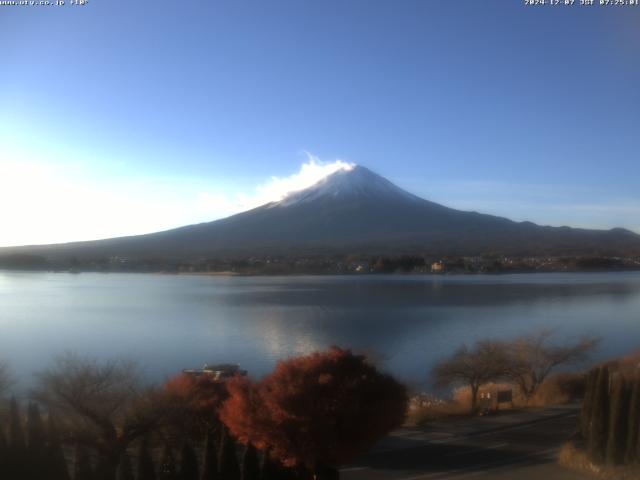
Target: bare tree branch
[
  {"x": 485, "y": 362},
  {"x": 103, "y": 403},
  {"x": 533, "y": 358}
]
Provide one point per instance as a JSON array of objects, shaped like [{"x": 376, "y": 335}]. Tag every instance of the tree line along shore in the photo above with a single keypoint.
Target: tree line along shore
[{"x": 328, "y": 264}]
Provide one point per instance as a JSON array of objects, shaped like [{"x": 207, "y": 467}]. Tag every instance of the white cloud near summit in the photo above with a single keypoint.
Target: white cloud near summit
[{"x": 310, "y": 172}]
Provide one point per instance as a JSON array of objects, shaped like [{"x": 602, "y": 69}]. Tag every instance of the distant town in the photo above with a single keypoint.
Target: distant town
[{"x": 328, "y": 264}]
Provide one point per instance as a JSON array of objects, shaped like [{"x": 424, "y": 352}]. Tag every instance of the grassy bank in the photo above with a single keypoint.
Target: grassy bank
[{"x": 574, "y": 458}]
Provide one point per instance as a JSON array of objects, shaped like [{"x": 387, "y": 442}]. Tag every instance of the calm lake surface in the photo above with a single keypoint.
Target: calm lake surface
[{"x": 168, "y": 322}]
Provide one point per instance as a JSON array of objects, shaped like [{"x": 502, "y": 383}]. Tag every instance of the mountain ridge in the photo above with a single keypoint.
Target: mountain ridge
[{"x": 352, "y": 210}]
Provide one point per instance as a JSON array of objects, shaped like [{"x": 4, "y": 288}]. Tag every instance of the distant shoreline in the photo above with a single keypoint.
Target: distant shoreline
[
  {"x": 335, "y": 264},
  {"x": 327, "y": 274}
]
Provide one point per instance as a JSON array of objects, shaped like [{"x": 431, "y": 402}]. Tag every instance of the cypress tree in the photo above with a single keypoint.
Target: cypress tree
[
  {"x": 250, "y": 463},
  {"x": 17, "y": 451},
  {"x": 273, "y": 469},
  {"x": 210, "y": 462},
  {"x": 618, "y": 417},
  {"x": 188, "y": 463},
  {"x": 125, "y": 470},
  {"x": 269, "y": 468},
  {"x": 106, "y": 465},
  {"x": 638, "y": 448},
  {"x": 598, "y": 431},
  {"x": 36, "y": 438},
  {"x": 228, "y": 458},
  {"x": 587, "y": 402},
  {"x": 82, "y": 469},
  {"x": 36, "y": 443},
  {"x": 167, "y": 465},
  {"x": 146, "y": 470},
  {"x": 16, "y": 434},
  {"x": 56, "y": 460},
  {"x": 303, "y": 473},
  {"x": 288, "y": 473},
  {"x": 4, "y": 452},
  {"x": 327, "y": 473},
  {"x": 633, "y": 433}
]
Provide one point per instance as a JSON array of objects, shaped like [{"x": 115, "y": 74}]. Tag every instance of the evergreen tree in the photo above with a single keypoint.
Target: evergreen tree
[
  {"x": 106, "y": 466},
  {"x": 302, "y": 473},
  {"x": 638, "y": 448},
  {"x": 272, "y": 469},
  {"x": 618, "y": 417},
  {"x": 17, "y": 451},
  {"x": 210, "y": 462},
  {"x": 633, "y": 433},
  {"x": 598, "y": 430},
  {"x": 82, "y": 468},
  {"x": 125, "y": 470},
  {"x": 327, "y": 473},
  {"x": 56, "y": 462},
  {"x": 4, "y": 453},
  {"x": 36, "y": 438},
  {"x": 250, "y": 463},
  {"x": 587, "y": 403},
  {"x": 188, "y": 463},
  {"x": 16, "y": 434},
  {"x": 146, "y": 470},
  {"x": 167, "y": 465},
  {"x": 228, "y": 458},
  {"x": 269, "y": 468},
  {"x": 36, "y": 444}
]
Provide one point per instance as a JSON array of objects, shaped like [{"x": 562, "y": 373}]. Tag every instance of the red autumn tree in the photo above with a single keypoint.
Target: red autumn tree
[
  {"x": 321, "y": 410},
  {"x": 192, "y": 403}
]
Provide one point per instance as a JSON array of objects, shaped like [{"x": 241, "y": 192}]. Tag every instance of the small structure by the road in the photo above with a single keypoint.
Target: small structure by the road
[
  {"x": 490, "y": 400},
  {"x": 504, "y": 396}
]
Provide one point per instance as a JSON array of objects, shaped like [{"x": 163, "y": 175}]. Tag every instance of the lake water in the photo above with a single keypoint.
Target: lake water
[{"x": 169, "y": 322}]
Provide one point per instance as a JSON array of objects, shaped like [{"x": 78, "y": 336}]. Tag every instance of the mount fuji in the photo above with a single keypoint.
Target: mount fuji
[{"x": 353, "y": 211}]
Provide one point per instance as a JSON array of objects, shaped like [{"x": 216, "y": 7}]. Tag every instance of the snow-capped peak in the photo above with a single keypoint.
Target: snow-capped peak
[{"x": 348, "y": 183}]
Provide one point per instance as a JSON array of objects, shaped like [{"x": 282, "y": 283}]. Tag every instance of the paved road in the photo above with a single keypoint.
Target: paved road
[{"x": 520, "y": 446}]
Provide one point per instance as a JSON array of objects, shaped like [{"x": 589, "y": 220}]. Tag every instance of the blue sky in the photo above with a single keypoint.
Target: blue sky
[{"x": 123, "y": 117}]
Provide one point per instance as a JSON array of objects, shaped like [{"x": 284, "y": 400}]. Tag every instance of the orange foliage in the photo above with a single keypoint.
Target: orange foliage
[
  {"x": 321, "y": 410},
  {"x": 200, "y": 393}
]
